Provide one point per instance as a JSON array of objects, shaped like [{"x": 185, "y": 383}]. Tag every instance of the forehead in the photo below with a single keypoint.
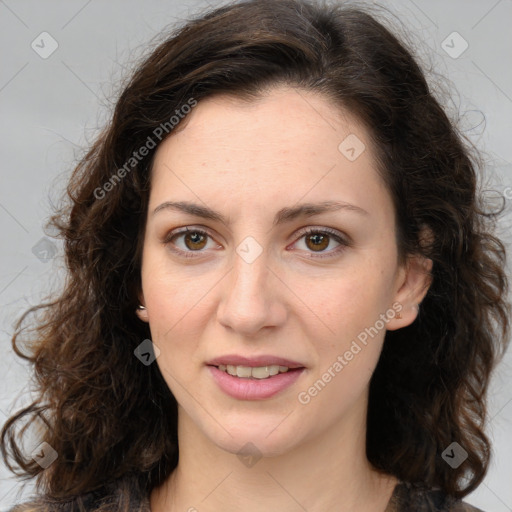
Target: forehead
[{"x": 287, "y": 145}]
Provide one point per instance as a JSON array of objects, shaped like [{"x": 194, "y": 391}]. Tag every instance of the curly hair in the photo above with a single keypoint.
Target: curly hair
[{"x": 108, "y": 416}]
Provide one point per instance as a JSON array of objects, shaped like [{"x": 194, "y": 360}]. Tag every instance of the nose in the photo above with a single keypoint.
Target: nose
[{"x": 252, "y": 298}]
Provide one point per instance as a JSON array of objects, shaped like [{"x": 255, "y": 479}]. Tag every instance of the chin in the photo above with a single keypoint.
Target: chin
[
  {"x": 255, "y": 438},
  {"x": 252, "y": 446}
]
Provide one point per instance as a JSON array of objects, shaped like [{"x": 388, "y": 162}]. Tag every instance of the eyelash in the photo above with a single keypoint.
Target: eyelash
[{"x": 302, "y": 233}]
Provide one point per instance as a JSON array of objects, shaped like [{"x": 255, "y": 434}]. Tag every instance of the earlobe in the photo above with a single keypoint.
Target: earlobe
[
  {"x": 414, "y": 282},
  {"x": 142, "y": 313}
]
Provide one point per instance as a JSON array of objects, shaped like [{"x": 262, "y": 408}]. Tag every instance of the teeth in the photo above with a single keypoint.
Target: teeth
[
  {"x": 257, "y": 372},
  {"x": 243, "y": 371}
]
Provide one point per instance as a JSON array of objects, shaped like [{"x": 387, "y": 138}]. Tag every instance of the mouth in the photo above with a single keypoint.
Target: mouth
[
  {"x": 260, "y": 386},
  {"x": 255, "y": 372}
]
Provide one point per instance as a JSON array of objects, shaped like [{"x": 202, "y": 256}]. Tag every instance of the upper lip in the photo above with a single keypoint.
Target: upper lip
[{"x": 255, "y": 361}]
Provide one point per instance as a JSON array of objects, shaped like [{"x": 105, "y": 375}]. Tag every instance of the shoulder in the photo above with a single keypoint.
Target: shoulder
[
  {"x": 411, "y": 497},
  {"x": 43, "y": 504},
  {"x": 120, "y": 495}
]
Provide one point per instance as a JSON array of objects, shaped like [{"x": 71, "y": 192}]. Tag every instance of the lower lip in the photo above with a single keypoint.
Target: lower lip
[{"x": 254, "y": 389}]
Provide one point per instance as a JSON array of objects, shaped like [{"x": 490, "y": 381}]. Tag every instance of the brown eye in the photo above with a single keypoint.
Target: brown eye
[
  {"x": 317, "y": 241},
  {"x": 194, "y": 240},
  {"x": 187, "y": 242}
]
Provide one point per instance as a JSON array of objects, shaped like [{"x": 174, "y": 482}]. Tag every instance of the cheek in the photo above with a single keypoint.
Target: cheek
[
  {"x": 349, "y": 351},
  {"x": 175, "y": 321},
  {"x": 170, "y": 300},
  {"x": 171, "y": 292},
  {"x": 352, "y": 301}
]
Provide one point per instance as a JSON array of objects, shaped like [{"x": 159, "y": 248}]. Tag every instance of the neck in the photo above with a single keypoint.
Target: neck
[{"x": 330, "y": 472}]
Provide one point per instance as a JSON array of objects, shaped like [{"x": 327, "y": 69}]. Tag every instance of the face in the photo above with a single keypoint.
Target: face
[{"x": 261, "y": 283}]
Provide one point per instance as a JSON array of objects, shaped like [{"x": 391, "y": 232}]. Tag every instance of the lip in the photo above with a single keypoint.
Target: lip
[
  {"x": 255, "y": 361},
  {"x": 254, "y": 389}
]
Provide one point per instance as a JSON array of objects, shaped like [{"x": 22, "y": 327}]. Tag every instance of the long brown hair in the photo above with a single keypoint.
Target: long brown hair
[{"x": 108, "y": 416}]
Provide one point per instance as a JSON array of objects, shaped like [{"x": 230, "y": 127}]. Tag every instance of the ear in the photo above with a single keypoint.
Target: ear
[
  {"x": 413, "y": 281},
  {"x": 142, "y": 313}
]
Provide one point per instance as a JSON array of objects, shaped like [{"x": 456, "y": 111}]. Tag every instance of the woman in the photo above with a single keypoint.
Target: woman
[{"x": 284, "y": 290}]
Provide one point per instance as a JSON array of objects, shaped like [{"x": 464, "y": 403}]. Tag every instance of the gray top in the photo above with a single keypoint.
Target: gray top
[{"x": 406, "y": 498}]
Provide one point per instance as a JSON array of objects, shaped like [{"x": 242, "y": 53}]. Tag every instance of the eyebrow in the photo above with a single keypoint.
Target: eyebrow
[{"x": 286, "y": 214}]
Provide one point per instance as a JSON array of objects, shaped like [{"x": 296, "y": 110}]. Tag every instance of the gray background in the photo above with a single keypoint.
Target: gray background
[{"x": 51, "y": 109}]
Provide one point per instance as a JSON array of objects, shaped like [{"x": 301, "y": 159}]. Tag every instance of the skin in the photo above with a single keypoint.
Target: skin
[{"x": 247, "y": 160}]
